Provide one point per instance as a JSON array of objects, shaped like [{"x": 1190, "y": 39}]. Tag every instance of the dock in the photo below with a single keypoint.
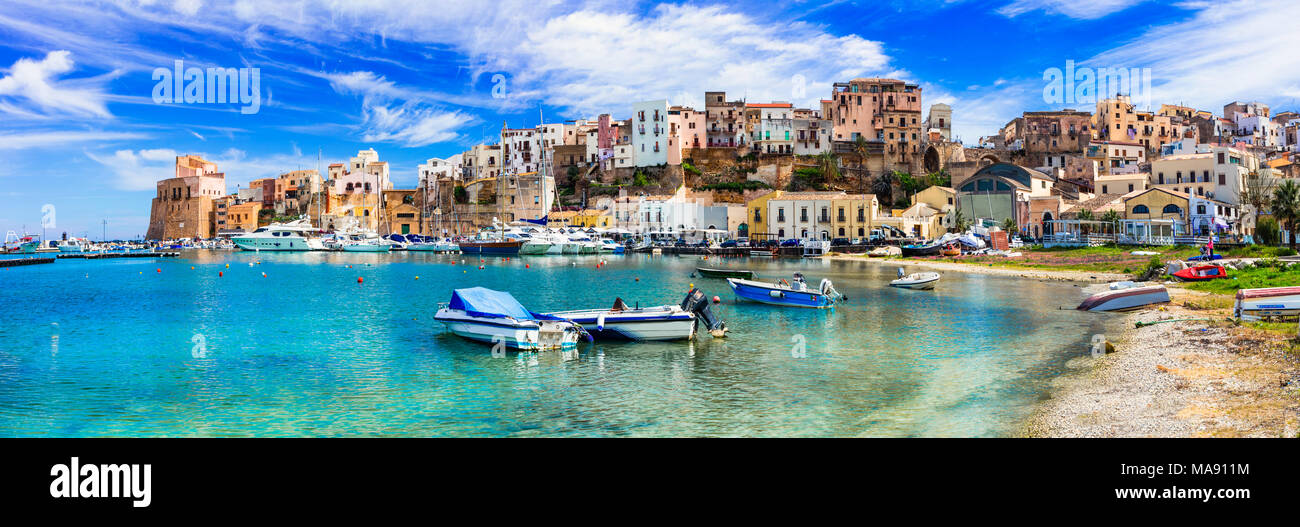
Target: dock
[
  {"x": 15, "y": 262},
  {"x": 98, "y": 256}
]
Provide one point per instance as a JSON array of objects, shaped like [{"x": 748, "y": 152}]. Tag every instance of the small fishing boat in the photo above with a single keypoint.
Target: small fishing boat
[
  {"x": 1205, "y": 258},
  {"x": 666, "y": 322},
  {"x": 1123, "y": 296},
  {"x": 920, "y": 281},
  {"x": 485, "y": 315},
  {"x": 1201, "y": 273},
  {"x": 922, "y": 249},
  {"x": 786, "y": 293},
  {"x": 1256, "y": 304},
  {"x": 951, "y": 250},
  {"x": 743, "y": 274}
]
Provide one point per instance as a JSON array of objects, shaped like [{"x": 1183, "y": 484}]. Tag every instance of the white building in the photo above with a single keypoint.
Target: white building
[
  {"x": 521, "y": 150},
  {"x": 771, "y": 127},
  {"x": 649, "y": 130},
  {"x": 1218, "y": 173},
  {"x": 438, "y": 169}
]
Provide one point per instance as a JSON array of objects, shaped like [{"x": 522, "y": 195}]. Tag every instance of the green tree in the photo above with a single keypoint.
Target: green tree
[
  {"x": 1009, "y": 225},
  {"x": 1266, "y": 232},
  {"x": 1112, "y": 217},
  {"x": 883, "y": 186},
  {"x": 1286, "y": 206},
  {"x": 959, "y": 222},
  {"x": 829, "y": 166}
]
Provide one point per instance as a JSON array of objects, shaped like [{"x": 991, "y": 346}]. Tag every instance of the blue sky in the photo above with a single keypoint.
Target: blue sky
[{"x": 80, "y": 130}]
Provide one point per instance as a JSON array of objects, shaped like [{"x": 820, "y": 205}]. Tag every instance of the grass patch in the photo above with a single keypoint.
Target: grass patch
[{"x": 1267, "y": 273}]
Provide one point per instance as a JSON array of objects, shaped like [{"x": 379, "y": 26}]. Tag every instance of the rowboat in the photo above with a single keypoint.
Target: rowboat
[
  {"x": 1256, "y": 304},
  {"x": 744, "y": 274},
  {"x": 495, "y": 317},
  {"x": 924, "y": 281},
  {"x": 1201, "y": 273},
  {"x": 668, "y": 322},
  {"x": 786, "y": 293},
  {"x": 1124, "y": 296},
  {"x": 922, "y": 250}
]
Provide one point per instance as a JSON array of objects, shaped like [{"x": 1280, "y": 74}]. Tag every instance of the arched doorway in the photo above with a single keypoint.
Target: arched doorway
[
  {"x": 1047, "y": 227},
  {"x": 931, "y": 160}
]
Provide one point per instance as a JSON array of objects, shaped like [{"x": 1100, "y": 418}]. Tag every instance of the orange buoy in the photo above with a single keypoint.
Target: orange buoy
[
  {"x": 417, "y": 277},
  {"x": 716, "y": 300},
  {"x": 160, "y": 269},
  {"x": 526, "y": 266},
  {"x": 221, "y": 274},
  {"x": 636, "y": 279},
  {"x": 359, "y": 280},
  {"x": 480, "y": 267}
]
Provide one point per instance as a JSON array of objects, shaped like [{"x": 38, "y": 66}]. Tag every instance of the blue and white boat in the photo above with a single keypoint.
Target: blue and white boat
[
  {"x": 648, "y": 323},
  {"x": 490, "y": 316},
  {"x": 794, "y": 293}
]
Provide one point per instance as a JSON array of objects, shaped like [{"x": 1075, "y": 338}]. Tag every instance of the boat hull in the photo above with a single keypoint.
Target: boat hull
[
  {"x": 1125, "y": 299},
  {"x": 662, "y": 323},
  {"x": 367, "y": 248},
  {"x": 919, "y": 281},
  {"x": 779, "y": 296},
  {"x": 931, "y": 250},
  {"x": 272, "y": 244},
  {"x": 743, "y": 274},
  {"x": 515, "y": 334},
  {"x": 1262, "y": 303},
  {"x": 506, "y": 248},
  {"x": 1201, "y": 273},
  {"x": 533, "y": 247}
]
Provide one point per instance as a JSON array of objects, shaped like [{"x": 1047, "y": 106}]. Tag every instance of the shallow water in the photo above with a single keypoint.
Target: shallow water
[{"x": 116, "y": 348}]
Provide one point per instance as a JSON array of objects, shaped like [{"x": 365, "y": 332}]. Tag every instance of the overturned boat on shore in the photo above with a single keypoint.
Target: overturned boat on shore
[
  {"x": 1267, "y": 302},
  {"x": 1124, "y": 296}
]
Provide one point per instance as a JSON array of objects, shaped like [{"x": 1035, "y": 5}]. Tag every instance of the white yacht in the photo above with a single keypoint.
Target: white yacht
[
  {"x": 74, "y": 245},
  {"x": 293, "y": 236}
]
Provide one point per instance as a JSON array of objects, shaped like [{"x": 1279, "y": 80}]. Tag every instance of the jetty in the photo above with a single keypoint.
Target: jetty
[
  {"x": 98, "y": 256},
  {"x": 15, "y": 262}
]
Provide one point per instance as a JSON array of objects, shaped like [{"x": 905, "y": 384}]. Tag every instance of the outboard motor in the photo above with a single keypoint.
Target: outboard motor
[
  {"x": 696, "y": 302},
  {"x": 828, "y": 289}
]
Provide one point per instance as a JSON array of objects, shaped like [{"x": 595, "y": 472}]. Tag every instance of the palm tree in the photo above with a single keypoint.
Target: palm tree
[
  {"x": 1112, "y": 217},
  {"x": 1009, "y": 225},
  {"x": 959, "y": 221},
  {"x": 1286, "y": 206},
  {"x": 1084, "y": 215},
  {"x": 828, "y": 164}
]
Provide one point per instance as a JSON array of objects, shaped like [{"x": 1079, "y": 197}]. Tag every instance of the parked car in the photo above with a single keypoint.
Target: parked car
[
  {"x": 729, "y": 244},
  {"x": 840, "y": 242},
  {"x": 742, "y": 241},
  {"x": 791, "y": 243}
]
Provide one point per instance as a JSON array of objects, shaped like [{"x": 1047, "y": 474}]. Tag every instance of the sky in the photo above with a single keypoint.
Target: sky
[{"x": 85, "y": 137}]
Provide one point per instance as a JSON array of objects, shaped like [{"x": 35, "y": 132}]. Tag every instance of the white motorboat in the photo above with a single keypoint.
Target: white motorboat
[
  {"x": 292, "y": 236},
  {"x": 920, "y": 281},
  {"x": 1123, "y": 296},
  {"x": 648, "y": 323},
  {"x": 489, "y": 316},
  {"x": 74, "y": 245},
  {"x": 1257, "y": 304}
]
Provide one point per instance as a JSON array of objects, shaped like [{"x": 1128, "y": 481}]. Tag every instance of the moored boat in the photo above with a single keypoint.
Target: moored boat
[
  {"x": 666, "y": 322},
  {"x": 743, "y": 274},
  {"x": 1123, "y": 296},
  {"x": 494, "y": 247},
  {"x": 1201, "y": 273},
  {"x": 489, "y": 316},
  {"x": 293, "y": 236},
  {"x": 920, "y": 281},
  {"x": 786, "y": 293},
  {"x": 922, "y": 249},
  {"x": 1267, "y": 302}
]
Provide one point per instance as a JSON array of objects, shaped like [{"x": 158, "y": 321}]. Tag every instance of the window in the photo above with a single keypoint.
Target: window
[
  {"x": 1172, "y": 209},
  {"x": 780, "y": 214},
  {"x": 1200, "y": 209},
  {"x": 758, "y": 215},
  {"x": 1223, "y": 180},
  {"x": 1104, "y": 190},
  {"x": 1141, "y": 209}
]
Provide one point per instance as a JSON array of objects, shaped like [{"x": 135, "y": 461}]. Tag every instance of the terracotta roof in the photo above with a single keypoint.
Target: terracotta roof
[{"x": 771, "y": 105}]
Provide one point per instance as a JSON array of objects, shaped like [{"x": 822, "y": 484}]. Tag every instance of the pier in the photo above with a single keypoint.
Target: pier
[
  {"x": 98, "y": 256},
  {"x": 15, "y": 262}
]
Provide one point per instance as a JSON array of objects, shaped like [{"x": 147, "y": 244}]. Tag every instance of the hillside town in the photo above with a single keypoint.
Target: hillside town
[{"x": 870, "y": 160}]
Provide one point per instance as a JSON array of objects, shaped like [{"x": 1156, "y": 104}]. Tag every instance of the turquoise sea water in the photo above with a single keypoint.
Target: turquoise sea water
[{"x": 116, "y": 348}]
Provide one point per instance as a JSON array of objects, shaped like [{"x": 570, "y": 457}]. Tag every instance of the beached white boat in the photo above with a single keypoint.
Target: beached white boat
[
  {"x": 1123, "y": 296},
  {"x": 1257, "y": 304},
  {"x": 648, "y": 323},
  {"x": 921, "y": 281},
  {"x": 489, "y": 316}
]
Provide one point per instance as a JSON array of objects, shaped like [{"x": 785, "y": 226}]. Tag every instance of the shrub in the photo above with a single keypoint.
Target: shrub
[{"x": 1267, "y": 232}]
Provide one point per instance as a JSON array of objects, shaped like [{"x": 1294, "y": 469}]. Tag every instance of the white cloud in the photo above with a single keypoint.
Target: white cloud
[
  {"x": 1081, "y": 9},
  {"x": 31, "y": 88},
  {"x": 139, "y": 170},
  {"x": 48, "y": 139},
  {"x": 136, "y": 170},
  {"x": 396, "y": 114}
]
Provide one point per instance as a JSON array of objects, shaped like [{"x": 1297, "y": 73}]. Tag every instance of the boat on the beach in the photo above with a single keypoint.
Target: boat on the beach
[
  {"x": 744, "y": 274},
  {"x": 1123, "y": 296},
  {"x": 485, "y": 315},
  {"x": 786, "y": 293},
  {"x": 920, "y": 281},
  {"x": 931, "y": 249},
  {"x": 667, "y": 322},
  {"x": 1205, "y": 258},
  {"x": 1201, "y": 273},
  {"x": 1267, "y": 302}
]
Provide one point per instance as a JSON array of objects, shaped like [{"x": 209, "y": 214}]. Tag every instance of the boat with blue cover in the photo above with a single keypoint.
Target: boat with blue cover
[
  {"x": 485, "y": 315},
  {"x": 794, "y": 293}
]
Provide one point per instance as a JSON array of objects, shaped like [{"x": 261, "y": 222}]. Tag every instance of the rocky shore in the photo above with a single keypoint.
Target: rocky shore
[
  {"x": 1192, "y": 374},
  {"x": 1033, "y": 274}
]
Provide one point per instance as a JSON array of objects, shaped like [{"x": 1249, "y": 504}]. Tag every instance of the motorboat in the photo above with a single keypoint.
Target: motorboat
[
  {"x": 530, "y": 244},
  {"x": 493, "y": 247},
  {"x": 920, "y": 281},
  {"x": 1257, "y": 304},
  {"x": 432, "y": 245},
  {"x": 74, "y": 245},
  {"x": 795, "y": 293},
  {"x": 366, "y": 246},
  {"x": 292, "y": 236},
  {"x": 1124, "y": 296},
  {"x": 586, "y": 245},
  {"x": 610, "y": 246},
  {"x": 668, "y": 322},
  {"x": 1201, "y": 273},
  {"x": 489, "y": 316},
  {"x": 744, "y": 274}
]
